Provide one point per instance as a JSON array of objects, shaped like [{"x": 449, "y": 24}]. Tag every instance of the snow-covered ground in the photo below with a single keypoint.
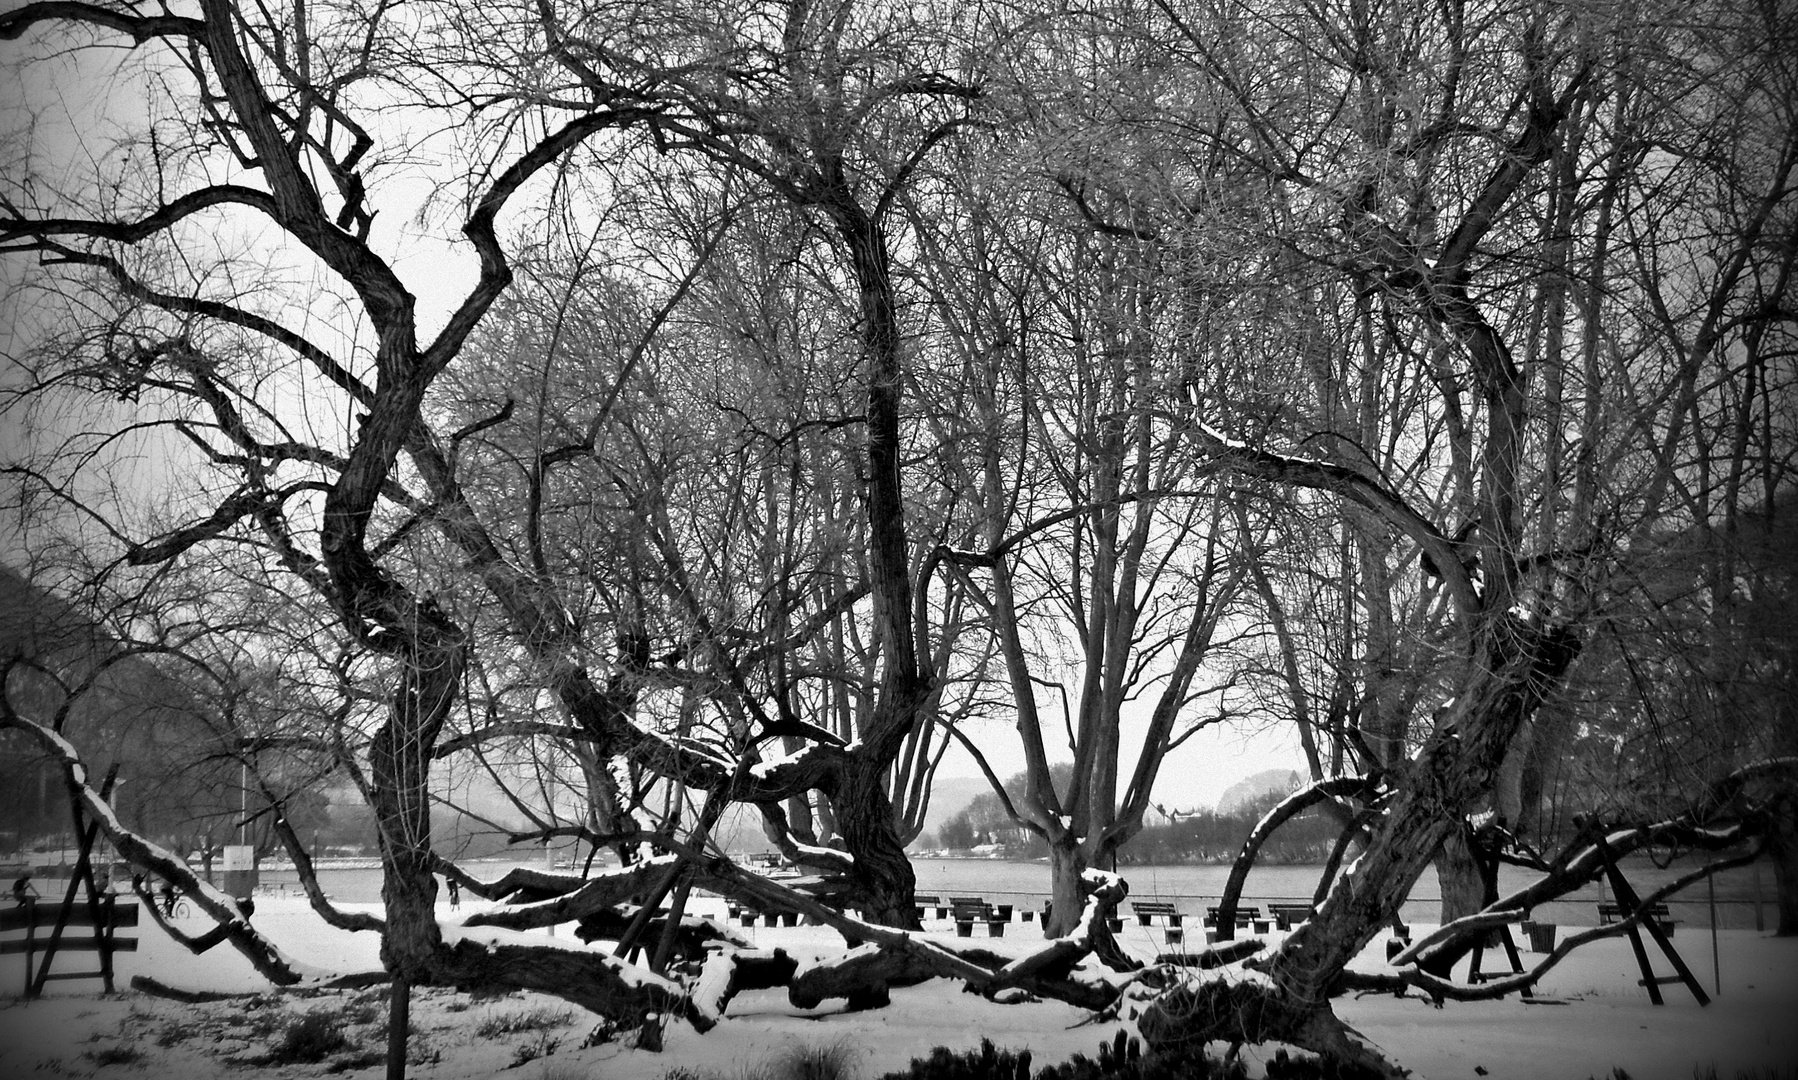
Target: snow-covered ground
[{"x": 1596, "y": 1018}]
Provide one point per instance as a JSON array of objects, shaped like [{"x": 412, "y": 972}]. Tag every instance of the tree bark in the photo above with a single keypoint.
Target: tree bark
[
  {"x": 1456, "y": 768},
  {"x": 882, "y": 879},
  {"x": 1783, "y": 847},
  {"x": 1458, "y": 873},
  {"x": 399, "y": 768},
  {"x": 1067, "y": 862}
]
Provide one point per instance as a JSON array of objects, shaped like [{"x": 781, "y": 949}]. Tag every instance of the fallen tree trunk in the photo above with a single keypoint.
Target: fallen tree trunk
[
  {"x": 863, "y": 975},
  {"x": 1252, "y": 1010},
  {"x": 725, "y": 975},
  {"x": 693, "y": 934}
]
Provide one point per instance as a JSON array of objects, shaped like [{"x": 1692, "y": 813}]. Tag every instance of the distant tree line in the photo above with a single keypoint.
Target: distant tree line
[
  {"x": 1209, "y": 836},
  {"x": 1202, "y": 836}
]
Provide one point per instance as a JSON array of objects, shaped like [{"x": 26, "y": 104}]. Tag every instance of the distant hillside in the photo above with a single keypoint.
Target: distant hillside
[{"x": 1254, "y": 787}]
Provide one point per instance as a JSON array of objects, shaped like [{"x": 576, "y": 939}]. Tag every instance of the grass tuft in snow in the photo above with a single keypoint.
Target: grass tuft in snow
[
  {"x": 826, "y": 1061},
  {"x": 1121, "y": 1058},
  {"x": 823, "y": 1061},
  {"x": 115, "y": 1055},
  {"x": 361, "y": 1059},
  {"x": 514, "y": 1021},
  {"x": 367, "y": 1007},
  {"x": 987, "y": 1063},
  {"x": 542, "y": 1044}
]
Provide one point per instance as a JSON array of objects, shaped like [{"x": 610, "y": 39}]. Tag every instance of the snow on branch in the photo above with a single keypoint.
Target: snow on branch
[{"x": 557, "y": 898}]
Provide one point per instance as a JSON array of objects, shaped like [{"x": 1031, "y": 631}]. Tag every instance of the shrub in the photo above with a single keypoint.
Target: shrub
[{"x": 307, "y": 1040}]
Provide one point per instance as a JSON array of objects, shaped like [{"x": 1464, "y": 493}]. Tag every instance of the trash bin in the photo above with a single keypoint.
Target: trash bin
[{"x": 1542, "y": 936}]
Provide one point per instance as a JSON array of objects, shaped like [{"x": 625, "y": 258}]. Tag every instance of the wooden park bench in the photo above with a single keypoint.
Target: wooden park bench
[
  {"x": 968, "y": 910},
  {"x": 44, "y": 925},
  {"x": 926, "y": 903},
  {"x": 1149, "y": 909},
  {"x": 1611, "y": 913},
  {"x": 1244, "y": 917},
  {"x": 1285, "y": 915}
]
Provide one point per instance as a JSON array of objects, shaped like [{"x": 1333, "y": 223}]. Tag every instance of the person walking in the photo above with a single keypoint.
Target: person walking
[
  {"x": 455, "y": 892},
  {"x": 23, "y": 890}
]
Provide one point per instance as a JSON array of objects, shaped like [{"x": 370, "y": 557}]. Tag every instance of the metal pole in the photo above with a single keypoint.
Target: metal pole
[
  {"x": 1760, "y": 921},
  {"x": 399, "y": 1019},
  {"x": 1710, "y": 883}
]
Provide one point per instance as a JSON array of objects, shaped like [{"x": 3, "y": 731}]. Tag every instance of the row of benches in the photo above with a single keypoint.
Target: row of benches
[
  {"x": 965, "y": 911},
  {"x": 974, "y": 909},
  {"x": 1281, "y": 915}
]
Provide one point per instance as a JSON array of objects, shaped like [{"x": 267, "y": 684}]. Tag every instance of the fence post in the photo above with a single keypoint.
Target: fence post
[
  {"x": 30, "y": 937},
  {"x": 103, "y": 932},
  {"x": 1710, "y": 883}
]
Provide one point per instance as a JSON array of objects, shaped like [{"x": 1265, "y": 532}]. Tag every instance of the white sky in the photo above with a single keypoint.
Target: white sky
[{"x": 1193, "y": 776}]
